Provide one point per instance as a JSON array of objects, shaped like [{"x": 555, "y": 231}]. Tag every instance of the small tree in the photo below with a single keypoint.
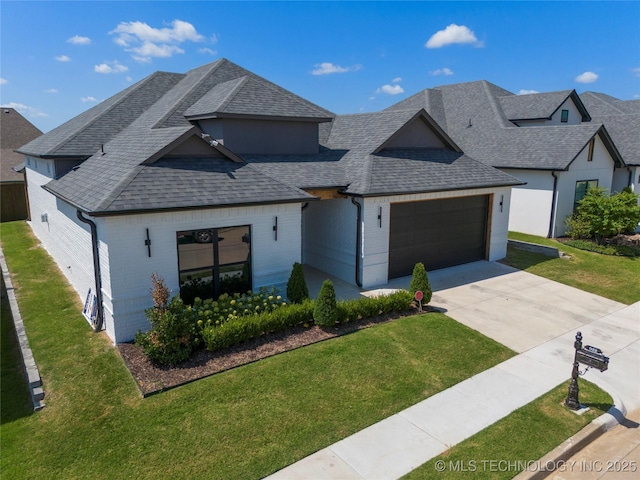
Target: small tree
[
  {"x": 608, "y": 215},
  {"x": 297, "y": 291},
  {"x": 420, "y": 282},
  {"x": 325, "y": 311}
]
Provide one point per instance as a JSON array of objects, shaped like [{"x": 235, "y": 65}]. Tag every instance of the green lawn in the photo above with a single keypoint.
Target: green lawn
[
  {"x": 243, "y": 423},
  {"x": 525, "y": 436},
  {"x": 608, "y": 276}
]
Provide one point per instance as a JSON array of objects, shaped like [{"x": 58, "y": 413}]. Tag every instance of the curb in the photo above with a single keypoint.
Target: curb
[
  {"x": 32, "y": 374},
  {"x": 567, "y": 449}
]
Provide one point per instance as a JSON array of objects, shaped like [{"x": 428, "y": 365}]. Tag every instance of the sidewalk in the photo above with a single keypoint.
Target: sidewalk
[{"x": 395, "y": 446}]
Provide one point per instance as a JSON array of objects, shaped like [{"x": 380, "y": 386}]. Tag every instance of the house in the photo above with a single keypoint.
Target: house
[
  {"x": 547, "y": 140},
  {"x": 622, "y": 120},
  {"x": 15, "y": 131},
  {"x": 218, "y": 178}
]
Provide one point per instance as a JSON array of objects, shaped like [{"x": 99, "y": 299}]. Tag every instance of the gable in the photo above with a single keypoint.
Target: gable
[{"x": 416, "y": 134}]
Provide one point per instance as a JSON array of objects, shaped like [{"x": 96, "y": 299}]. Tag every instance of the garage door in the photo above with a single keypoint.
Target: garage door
[{"x": 438, "y": 233}]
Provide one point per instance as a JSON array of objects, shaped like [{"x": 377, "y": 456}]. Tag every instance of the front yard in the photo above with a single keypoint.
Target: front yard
[{"x": 243, "y": 423}]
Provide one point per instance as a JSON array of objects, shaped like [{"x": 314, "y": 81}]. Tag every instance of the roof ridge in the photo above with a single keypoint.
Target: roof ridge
[
  {"x": 137, "y": 86},
  {"x": 212, "y": 67},
  {"x": 495, "y": 104},
  {"x": 240, "y": 83}
]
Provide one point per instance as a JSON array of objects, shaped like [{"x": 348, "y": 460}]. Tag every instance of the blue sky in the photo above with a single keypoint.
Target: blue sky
[{"x": 58, "y": 59}]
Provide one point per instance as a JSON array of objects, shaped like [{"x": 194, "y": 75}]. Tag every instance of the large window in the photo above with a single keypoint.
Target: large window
[
  {"x": 582, "y": 187},
  {"x": 214, "y": 261}
]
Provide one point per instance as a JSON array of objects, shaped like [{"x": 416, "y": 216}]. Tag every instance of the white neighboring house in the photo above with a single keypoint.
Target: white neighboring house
[
  {"x": 219, "y": 179},
  {"x": 557, "y": 159},
  {"x": 622, "y": 120}
]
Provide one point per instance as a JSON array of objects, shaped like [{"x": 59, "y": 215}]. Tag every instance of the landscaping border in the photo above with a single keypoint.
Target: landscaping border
[{"x": 30, "y": 368}]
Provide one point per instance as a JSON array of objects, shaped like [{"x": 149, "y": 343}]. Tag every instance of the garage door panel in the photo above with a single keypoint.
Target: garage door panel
[{"x": 438, "y": 233}]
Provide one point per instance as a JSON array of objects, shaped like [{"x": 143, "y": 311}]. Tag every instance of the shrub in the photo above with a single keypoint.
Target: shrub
[
  {"x": 366, "y": 307},
  {"x": 578, "y": 227},
  {"x": 237, "y": 330},
  {"x": 172, "y": 335},
  {"x": 616, "y": 250},
  {"x": 325, "y": 312},
  {"x": 420, "y": 282},
  {"x": 297, "y": 291},
  {"x": 608, "y": 215}
]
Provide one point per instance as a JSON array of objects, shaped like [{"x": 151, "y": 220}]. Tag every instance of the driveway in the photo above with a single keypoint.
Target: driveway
[{"x": 518, "y": 309}]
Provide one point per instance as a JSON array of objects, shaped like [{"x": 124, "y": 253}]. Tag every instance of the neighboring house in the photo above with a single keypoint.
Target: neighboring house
[
  {"x": 15, "y": 131},
  {"x": 219, "y": 176},
  {"x": 557, "y": 161},
  {"x": 622, "y": 120}
]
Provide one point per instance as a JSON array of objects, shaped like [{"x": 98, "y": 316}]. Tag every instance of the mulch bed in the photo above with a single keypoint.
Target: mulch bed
[{"x": 152, "y": 378}]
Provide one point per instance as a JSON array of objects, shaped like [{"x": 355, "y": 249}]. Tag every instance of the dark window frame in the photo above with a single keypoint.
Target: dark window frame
[
  {"x": 211, "y": 286},
  {"x": 564, "y": 116},
  {"x": 588, "y": 185}
]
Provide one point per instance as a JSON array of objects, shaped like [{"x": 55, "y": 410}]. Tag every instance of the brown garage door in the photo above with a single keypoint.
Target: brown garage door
[{"x": 438, "y": 233}]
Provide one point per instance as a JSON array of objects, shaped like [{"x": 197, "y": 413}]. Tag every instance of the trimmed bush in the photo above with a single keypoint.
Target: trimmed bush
[
  {"x": 420, "y": 282},
  {"x": 172, "y": 335},
  {"x": 325, "y": 312},
  {"x": 240, "y": 329},
  {"x": 297, "y": 291}
]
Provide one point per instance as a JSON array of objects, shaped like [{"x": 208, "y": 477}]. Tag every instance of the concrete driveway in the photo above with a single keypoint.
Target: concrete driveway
[{"x": 515, "y": 308}]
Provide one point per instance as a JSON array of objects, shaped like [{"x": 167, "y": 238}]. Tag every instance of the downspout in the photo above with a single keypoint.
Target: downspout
[
  {"x": 553, "y": 204},
  {"x": 358, "y": 241},
  {"x": 96, "y": 269}
]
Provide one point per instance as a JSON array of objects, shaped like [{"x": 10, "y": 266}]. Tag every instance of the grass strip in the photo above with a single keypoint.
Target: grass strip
[
  {"x": 613, "y": 277},
  {"x": 519, "y": 440}
]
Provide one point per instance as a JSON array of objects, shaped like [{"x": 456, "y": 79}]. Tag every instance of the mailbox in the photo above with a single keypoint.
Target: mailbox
[{"x": 592, "y": 357}]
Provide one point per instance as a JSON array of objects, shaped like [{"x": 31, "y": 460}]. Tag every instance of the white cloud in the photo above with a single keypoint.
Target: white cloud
[
  {"x": 636, "y": 72},
  {"x": 146, "y": 42},
  {"x": 25, "y": 109},
  {"x": 3, "y": 81},
  {"x": 78, "y": 40},
  {"x": 63, "y": 58},
  {"x": 442, "y": 71},
  {"x": 207, "y": 51},
  {"x": 527, "y": 92},
  {"x": 390, "y": 89},
  {"x": 88, "y": 99},
  {"x": 451, "y": 35},
  {"x": 396, "y": 80},
  {"x": 586, "y": 77},
  {"x": 326, "y": 68},
  {"x": 110, "y": 67},
  {"x": 51, "y": 90}
]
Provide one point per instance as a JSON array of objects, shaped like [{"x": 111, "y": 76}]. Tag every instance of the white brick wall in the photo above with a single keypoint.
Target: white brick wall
[{"x": 131, "y": 267}]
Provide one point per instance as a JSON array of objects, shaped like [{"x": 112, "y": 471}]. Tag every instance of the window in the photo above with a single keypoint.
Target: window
[
  {"x": 564, "y": 116},
  {"x": 581, "y": 190},
  {"x": 591, "y": 144},
  {"x": 214, "y": 261}
]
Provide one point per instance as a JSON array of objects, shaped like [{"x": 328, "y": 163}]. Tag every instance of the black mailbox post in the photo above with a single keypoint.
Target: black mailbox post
[{"x": 589, "y": 356}]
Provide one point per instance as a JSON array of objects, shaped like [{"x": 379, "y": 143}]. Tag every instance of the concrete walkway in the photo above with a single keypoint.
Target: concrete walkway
[{"x": 537, "y": 318}]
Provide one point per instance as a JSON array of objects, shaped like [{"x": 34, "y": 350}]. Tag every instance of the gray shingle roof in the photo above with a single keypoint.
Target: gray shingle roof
[
  {"x": 15, "y": 130},
  {"x": 534, "y": 105},
  {"x": 82, "y": 135},
  {"x": 625, "y": 133},
  {"x": 428, "y": 170},
  {"x": 199, "y": 182},
  {"x": 134, "y": 173},
  {"x": 477, "y": 122},
  {"x": 384, "y": 171}
]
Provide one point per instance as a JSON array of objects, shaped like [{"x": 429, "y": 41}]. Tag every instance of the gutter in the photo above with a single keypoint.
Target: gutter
[
  {"x": 553, "y": 204},
  {"x": 96, "y": 269},
  {"x": 358, "y": 241}
]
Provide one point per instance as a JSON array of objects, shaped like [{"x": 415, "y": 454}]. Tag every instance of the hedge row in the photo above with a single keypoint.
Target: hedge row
[{"x": 240, "y": 329}]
